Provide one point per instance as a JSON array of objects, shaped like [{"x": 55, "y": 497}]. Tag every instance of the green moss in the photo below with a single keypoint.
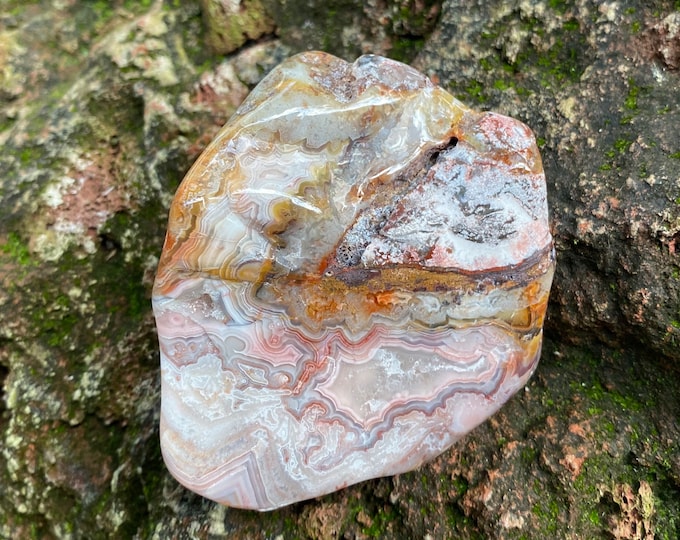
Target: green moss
[
  {"x": 17, "y": 250},
  {"x": 130, "y": 4},
  {"x": 485, "y": 64},
  {"x": 229, "y": 28},
  {"x": 529, "y": 454},
  {"x": 475, "y": 92},
  {"x": 536, "y": 63},
  {"x": 413, "y": 17},
  {"x": 561, "y": 63},
  {"x": 618, "y": 149},
  {"x": 643, "y": 171},
  {"x": 379, "y": 523},
  {"x": 593, "y": 515},
  {"x": 571, "y": 25},
  {"x": 58, "y": 330},
  {"x": 547, "y": 510},
  {"x": 621, "y": 145},
  {"x": 558, "y": 5},
  {"x": 125, "y": 294},
  {"x": 631, "y": 101},
  {"x": 594, "y": 473},
  {"x": 501, "y": 85},
  {"x": 460, "y": 485},
  {"x": 103, "y": 8},
  {"x": 603, "y": 399},
  {"x": 53, "y": 316},
  {"x": 618, "y": 418},
  {"x": 404, "y": 49},
  {"x": 30, "y": 155}
]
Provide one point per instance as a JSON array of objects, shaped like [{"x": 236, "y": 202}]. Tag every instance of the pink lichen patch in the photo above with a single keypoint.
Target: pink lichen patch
[
  {"x": 218, "y": 92},
  {"x": 577, "y": 429},
  {"x": 74, "y": 208},
  {"x": 573, "y": 463},
  {"x": 218, "y": 88},
  {"x": 661, "y": 42},
  {"x": 74, "y": 466},
  {"x": 86, "y": 198}
]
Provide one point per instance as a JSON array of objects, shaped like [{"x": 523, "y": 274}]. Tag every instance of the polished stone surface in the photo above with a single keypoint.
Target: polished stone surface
[{"x": 355, "y": 275}]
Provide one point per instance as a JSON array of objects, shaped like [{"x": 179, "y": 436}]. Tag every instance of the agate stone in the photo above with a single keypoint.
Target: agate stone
[{"x": 355, "y": 275}]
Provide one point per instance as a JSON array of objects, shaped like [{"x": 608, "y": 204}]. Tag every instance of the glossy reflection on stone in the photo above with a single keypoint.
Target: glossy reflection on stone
[{"x": 355, "y": 275}]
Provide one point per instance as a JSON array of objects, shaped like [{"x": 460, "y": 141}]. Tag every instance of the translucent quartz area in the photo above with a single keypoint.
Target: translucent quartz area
[{"x": 355, "y": 275}]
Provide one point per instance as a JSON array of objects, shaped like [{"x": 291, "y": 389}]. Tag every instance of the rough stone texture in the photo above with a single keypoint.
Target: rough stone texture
[
  {"x": 103, "y": 107},
  {"x": 347, "y": 28},
  {"x": 229, "y": 24}
]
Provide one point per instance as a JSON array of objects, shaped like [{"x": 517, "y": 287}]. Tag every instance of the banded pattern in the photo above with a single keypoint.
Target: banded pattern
[{"x": 355, "y": 275}]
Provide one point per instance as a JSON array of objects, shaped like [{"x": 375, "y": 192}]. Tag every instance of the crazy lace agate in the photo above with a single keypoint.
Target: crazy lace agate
[{"x": 355, "y": 275}]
